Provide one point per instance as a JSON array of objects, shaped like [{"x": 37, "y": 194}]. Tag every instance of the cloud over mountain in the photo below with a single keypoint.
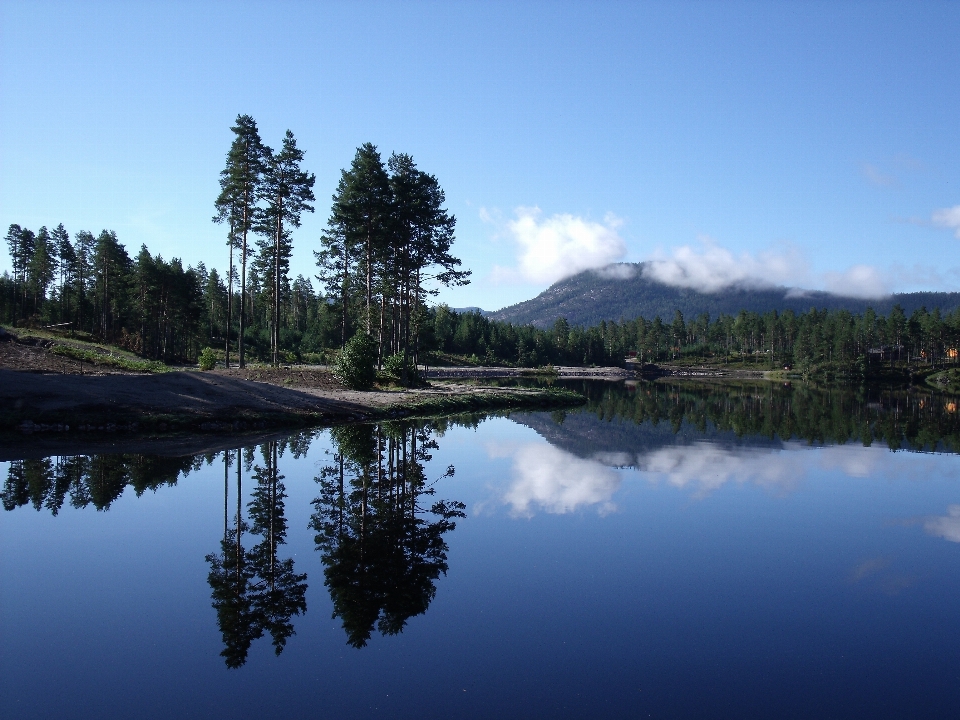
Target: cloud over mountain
[
  {"x": 713, "y": 268},
  {"x": 559, "y": 246}
]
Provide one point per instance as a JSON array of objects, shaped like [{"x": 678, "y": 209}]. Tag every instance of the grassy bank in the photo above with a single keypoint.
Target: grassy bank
[{"x": 108, "y": 359}]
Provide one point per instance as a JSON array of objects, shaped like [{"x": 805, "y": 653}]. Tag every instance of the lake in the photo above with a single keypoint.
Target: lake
[{"x": 668, "y": 550}]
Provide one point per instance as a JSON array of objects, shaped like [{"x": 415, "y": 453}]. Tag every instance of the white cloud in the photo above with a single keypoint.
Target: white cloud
[
  {"x": 859, "y": 281},
  {"x": 945, "y": 526},
  {"x": 948, "y": 218},
  {"x": 618, "y": 271},
  {"x": 557, "y": 481},
  {"x": 713, "y": 268},
  {"x": 559, "y": 246},
  {"x": 708, "y": 467}
]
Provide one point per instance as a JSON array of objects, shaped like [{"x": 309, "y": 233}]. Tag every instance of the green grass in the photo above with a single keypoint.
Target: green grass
[
  {"x": 76, "y": 346},
  {"x": 106, "y": 358}
]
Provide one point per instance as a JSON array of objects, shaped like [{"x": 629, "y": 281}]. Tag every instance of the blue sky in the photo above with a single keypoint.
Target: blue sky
[{"x": 810, "y": 144}]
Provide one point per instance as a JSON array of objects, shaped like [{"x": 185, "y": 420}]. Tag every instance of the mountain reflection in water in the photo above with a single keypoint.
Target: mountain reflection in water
[
  {"x": 703, "y": 436},
  {"x": 727, "y": 550}
]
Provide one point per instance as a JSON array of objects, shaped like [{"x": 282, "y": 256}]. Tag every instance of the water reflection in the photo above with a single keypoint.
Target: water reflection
[
  {"x": 742, "y": 604},
  {"x": 945, "y": 526},
  {"x": 905, "y": 419},
  {"x": 702, "y": 437},
  {"x": 382, "y": 546},
  {"x": 255, "y": 592},
  {"x": 381, "y": 543},
  {"x": 555, "y": 481},
  {"x": 96, "y": 480}
]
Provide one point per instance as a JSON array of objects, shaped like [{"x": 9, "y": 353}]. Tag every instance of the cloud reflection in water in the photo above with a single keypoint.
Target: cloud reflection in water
[
  {"x": 557, "y": 481},
  {"x": 549, "y": 479},
  {"x": 945, "y": 526}
]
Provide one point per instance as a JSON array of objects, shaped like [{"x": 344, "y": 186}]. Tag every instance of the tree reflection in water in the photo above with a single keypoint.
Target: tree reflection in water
[
  {"x": 96, "y": 480},
  {"x": 382, "y": 549},
  {"x": 255, "y": 592}
]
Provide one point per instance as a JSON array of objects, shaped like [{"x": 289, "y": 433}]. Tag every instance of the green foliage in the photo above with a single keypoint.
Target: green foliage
[
  {"x": 208, "y": 359},
  {"x": 312, "y": 358},
  {"x": 387, "y": 248},
  {"x": 355, "y": 366},
  {"x": 394, "y": 367}
]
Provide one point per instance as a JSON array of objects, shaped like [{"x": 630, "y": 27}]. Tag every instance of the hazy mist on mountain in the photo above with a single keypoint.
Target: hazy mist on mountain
[{"x": 624, "y": 291}]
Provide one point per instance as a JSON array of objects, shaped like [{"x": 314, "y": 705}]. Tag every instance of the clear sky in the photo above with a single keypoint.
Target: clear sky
[{"x": 811, "y": 144}]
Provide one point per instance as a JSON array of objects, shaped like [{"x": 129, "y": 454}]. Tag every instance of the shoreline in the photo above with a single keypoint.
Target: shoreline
[{"x": 212, "y": 402}]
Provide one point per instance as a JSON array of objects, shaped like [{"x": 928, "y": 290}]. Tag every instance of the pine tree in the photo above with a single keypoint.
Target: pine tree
[
  {"x": 68, "y": 267},
  {"x": 83, "y": 247},
  {"x": 240, "y": 190},
  {"x": 111, "y": 266},
  {"x": 41, "y": 268},
  {"x": 423, "y": 234},
  {"x": 287, "y": 192},
  {"x": 361, "y": 211},
  {"x": 20, "y": 243}
]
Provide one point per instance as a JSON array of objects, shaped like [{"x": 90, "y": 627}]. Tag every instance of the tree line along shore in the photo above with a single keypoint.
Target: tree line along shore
[{"x": 384, "y": 254}]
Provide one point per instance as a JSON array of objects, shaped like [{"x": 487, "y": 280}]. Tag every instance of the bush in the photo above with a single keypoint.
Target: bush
[
  {"x": 393, "y": 366},
  {"x": 355, "y": 365},
  {"x": 314, "y": 358},
  {"x": 208, "y": 359}
]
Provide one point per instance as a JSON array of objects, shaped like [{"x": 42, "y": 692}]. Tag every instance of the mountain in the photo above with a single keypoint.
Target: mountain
[{"x": 621, "y": 291}]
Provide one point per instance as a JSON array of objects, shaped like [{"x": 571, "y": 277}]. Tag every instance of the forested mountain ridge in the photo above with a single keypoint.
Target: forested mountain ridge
[{"x": 622, "y": 292}]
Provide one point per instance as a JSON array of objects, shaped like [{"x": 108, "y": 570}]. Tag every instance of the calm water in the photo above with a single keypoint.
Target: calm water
[{"x": 665, "y": 551}]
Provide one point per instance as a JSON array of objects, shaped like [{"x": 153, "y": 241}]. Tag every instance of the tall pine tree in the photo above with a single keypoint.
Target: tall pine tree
[
  {"x": 240, "y": 189},
  {"x": 287, "y": 192}
]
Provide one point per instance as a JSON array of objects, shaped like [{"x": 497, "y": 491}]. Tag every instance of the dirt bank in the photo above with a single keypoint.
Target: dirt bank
[
  {"x": 216, "y": 401},
  {"x": 593, "y": 373},
  {"x": 703, "y": 371}
]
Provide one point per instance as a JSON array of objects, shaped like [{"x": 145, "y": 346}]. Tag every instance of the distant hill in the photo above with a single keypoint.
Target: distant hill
[
  {"x": 471, "y": 309},
  {"x": 621, "y": 292}
]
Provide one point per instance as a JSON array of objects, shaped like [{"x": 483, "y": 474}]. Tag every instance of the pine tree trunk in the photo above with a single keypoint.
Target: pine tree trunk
[
  {"x": 276, "y": 286},
  {"x": 343, "y": 297},
  {"x": 369, "y": 258},
  {"x": 226, "y": 353},
  {"x": 383, "y": 303},
  {"x": 243, "y": 279}
]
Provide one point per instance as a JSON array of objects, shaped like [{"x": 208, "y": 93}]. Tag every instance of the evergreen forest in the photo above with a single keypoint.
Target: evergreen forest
[{"x": 385, "y": 253}]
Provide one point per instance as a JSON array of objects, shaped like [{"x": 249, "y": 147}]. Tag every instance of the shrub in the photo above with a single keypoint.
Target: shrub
[
  {"x": 314, "y": 358},
  {"x": 393, "y": 366},
  {"x": 355, "y": 365},
  {"x": 208, "y": 359}
]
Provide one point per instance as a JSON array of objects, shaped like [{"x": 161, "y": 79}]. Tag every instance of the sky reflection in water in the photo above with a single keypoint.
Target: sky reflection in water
[{"x": 605, "y": 567}]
